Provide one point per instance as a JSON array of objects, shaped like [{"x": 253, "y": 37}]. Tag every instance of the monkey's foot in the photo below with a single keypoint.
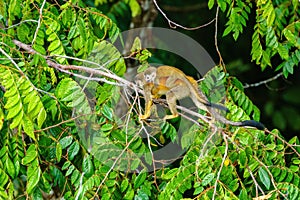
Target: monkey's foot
[
  {"x": 142, "y": 117},
  {"x": 170, "y": 116}
]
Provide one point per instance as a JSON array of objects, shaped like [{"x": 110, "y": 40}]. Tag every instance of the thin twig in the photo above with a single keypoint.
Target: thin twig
[
  {"x": 63, "y": 122},
  {"x": 115, "y": 162},
  {"x": 221, "y": 63},
  {"x": 25, "y": 21},
  {"x": 285, "y": 142},
  {"x": 39, "y": 22},
  {"x": 257, "y": 186},
  {"x": 221, "y": 167},
  {"x": 75, "y": 67},
  {"x": 22, "y": 73},
  {"x": 264, "y": 81},
  {"x": 262, "y": 164},
  {"x": 174, "y": 25},
  {"x": 187, "y": 8}
]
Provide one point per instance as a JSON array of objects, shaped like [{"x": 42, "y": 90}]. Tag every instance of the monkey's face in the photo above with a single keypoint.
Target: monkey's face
[{"x": 150, "y": 74}]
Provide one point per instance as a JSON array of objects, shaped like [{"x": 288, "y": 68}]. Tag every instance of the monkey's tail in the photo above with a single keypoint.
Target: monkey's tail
[
  {"x": 251, "y": 123},
  {"x": 199, "y": 98},
  {"x": 217, "y": 106}
]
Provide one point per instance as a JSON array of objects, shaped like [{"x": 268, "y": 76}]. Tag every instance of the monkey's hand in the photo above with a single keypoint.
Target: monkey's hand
[
  {"x": 143, "y": 117},
  {"x": 147, "y": 111}
]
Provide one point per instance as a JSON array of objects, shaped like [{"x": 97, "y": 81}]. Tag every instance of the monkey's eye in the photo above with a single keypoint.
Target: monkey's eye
[{"x": 147, "y": 78}]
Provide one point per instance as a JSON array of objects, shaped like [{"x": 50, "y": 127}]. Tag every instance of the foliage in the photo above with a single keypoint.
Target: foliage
[
  {"x": 63, "y": 134},
  {"x": 276, "y": 32}
]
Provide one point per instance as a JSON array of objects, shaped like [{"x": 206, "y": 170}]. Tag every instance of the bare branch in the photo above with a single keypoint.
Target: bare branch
[
  {"x": 187, "y": 8},
  {"x": 74, "y": 67},
  {"x": 174, "y": 25},
  {"x": 39, "y": 22},
  {"x": 285, "y": 142},
  {"x": 25, "y": 21},
  {"x": 216, "y": 38},
  {"x": 264, "y": 81},
  {"x": 22, "y": 73},
  {"x": 221, "y": 167}
]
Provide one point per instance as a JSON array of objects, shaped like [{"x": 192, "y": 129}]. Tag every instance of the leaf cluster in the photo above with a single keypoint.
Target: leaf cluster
[
  {"x": 66, "y": 136},
  {"x": 275, "y": 41}
]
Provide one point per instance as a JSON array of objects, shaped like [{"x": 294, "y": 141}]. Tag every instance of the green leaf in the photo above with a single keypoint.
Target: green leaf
[
  {"x": 28, "y": 127},
  {"x": 107, "y": 112},
  {"x": 289, "y": 36},
  {"x": 271, "y": 39},
  {"x": 243, "y": 194},
  {"x": 134, "y": 164},
  {"x": 15, "y": 111},
  {"x": 211, "y": 4},
  {"x": 208, "y": 178},
  {"x": 41, "y": 117},
  {"x": 87, "y": 166},
  {"x": 11, "y": 101},
  {"x": 17, "y": 120},
  {"x": 52, "y": 37},
  {"x": 137, "y": 46},
  {"x": 73, "y": 150},
  {"x": 75, "y": 177},
  {"x": 1, "y": 118},
  {"x": 135, "y": 144},
  {"x": 283, "y": 51},
  {"x": 70, "y": 170},
  {"x": 33, "y": 179},
  {"x": 30, "y": 155},
  {"x": 141, "y": 195},
  {"x": 135, "y": 8},
  {"x": 198, "y": 190},
  {"x": 170, "y": 174},
  {"x": 243, "y": 159},
  {"x": 10, "y": 167},
  {"x": 58, "y": 151},
  {"x": 66, "y": 141},
  {"x": 124, "y": 185},
  {"x": 106, "y": 127},
  {"x": 222, "y": 5},
  {"x": 140, "y": 180},
  {"x": 271, "y": 16},
  {"x": 66, "y": 165},
  {"x": 129, "y": 194},
  {"x": 54, "y": 45},
  {"x": 264, "y": 177},
  {"x": 227, "y": 30}
]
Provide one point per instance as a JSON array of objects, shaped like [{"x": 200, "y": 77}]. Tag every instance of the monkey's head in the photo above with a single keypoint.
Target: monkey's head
[{"x": 150, "y": 74}]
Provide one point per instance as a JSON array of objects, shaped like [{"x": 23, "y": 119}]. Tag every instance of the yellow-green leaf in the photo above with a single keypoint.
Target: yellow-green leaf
[
  {"x": 33, "y": 180},
  {"x": 28, "y": 127},
  {"x": 54, "y": 45},
  {"x": 1, "y": 118}
]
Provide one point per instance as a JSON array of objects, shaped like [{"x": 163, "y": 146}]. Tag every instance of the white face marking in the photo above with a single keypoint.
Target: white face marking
[{"x": 150, "y": 77}]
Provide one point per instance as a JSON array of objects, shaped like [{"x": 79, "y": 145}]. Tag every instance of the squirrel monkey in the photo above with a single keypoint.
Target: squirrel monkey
[{"x": 175, "y": 85}]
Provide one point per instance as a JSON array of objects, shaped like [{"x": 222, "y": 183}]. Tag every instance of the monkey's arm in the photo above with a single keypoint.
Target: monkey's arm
[
  {"x": 148, "y": 100},
  {"x": 147, "y": 87}
]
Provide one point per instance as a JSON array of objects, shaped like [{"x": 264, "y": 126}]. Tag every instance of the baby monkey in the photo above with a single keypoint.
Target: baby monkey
[{"x": 175, "y": 85}]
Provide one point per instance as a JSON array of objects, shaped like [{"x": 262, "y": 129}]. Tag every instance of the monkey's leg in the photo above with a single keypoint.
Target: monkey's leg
[
  {"x": 171, "y": 100},
  {"x": 148, "y": 100},
  {"x": 176, "y": 93},
  {"x": 147, "y": 110}
]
